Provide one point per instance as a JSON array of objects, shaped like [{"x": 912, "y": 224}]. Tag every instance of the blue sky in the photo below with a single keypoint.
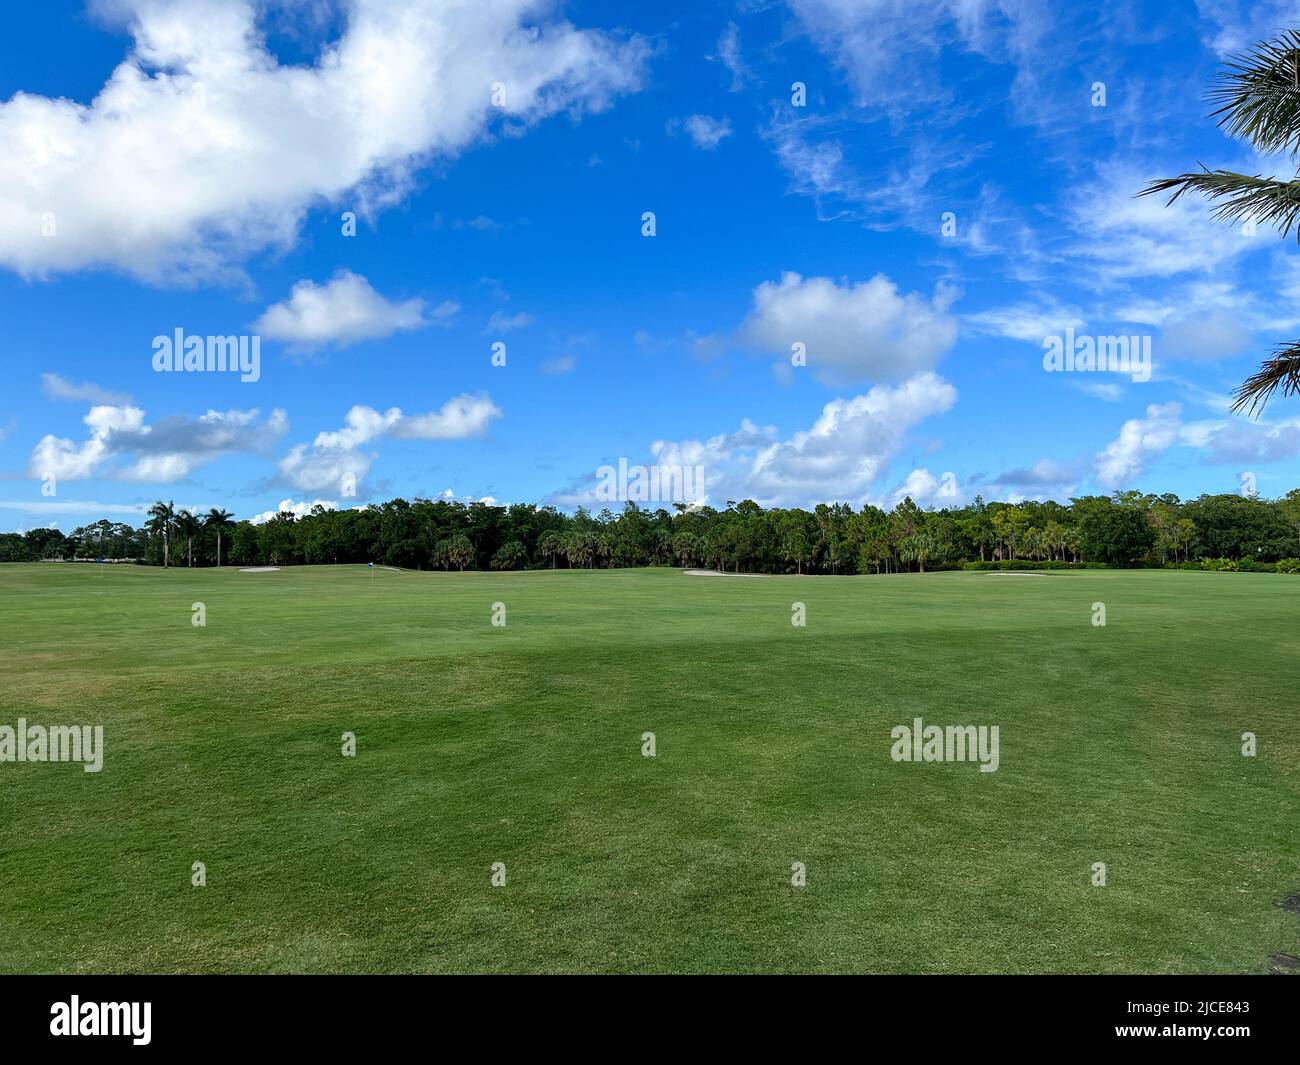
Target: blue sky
[{"x": 187, "y": 164}]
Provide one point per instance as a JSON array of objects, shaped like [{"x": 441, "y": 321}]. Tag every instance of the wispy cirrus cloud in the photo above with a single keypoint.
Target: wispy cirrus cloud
[{"x": 56, "y": 387}]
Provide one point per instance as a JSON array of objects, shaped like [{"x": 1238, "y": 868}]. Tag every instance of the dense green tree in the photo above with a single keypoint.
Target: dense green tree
[{"x": 1127, "y": 528}]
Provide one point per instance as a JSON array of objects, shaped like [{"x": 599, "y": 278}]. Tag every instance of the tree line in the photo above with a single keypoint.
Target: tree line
[{"x": 1125, "y": 529}]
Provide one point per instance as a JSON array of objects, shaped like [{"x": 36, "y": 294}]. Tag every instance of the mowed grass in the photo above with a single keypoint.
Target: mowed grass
[{"x": 522, "y": 745}]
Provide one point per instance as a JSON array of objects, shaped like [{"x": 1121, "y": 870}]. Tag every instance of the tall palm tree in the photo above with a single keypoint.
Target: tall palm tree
[
  {"x": 188, "y": 525},
  {"x": 162, "y": 519},
  {"x": 1259, "y": 101},
  {"x": 218, "y": 519}
]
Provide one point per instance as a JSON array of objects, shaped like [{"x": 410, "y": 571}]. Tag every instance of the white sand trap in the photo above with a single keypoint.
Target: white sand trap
[
  {"x": 719, "y": 573},
  {"x": 260, "y": 569},
  {"x": 391, "y": 569},
  {"x": 1013, "y": 573}
]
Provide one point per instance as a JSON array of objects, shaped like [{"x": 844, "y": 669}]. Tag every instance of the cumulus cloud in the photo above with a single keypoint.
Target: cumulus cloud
[
  {"x": 1125, "y": 458},
  {"x": 342, "y": 311},
  {"x": 850, "y": 445},
  {"x": 335, "y": 461},
  {"x": 163, "y": 452},
  {"x": 1226, "y": 441},
  {"x": 926, "y": 490},
  {"x": 841, "y": 456},
  {"x": 201, "y": 148},
  {"x": 297, "y": 509},
  {"x": 56, "y": 387},
  {"x": 853, "y": 332}
]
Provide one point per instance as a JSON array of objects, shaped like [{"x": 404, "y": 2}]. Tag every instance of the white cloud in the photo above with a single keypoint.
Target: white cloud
[
  {"x": 73, "y": 506},
  {"x": 460, "y": 417},
  {"x": 1110, "y": 392},
  {"x": 451, "y": 497},
  {"x": 850, "y": 445},
  {"x": 297, "y": 509},
  {"x": 901, "y": 181},
  {"x": 889, "y": 49},
  {"x": 163, "y": 452},
  {"x": 56, "y": 387},
  {"x": 705, "y": 131},
  {"x": 335, "y": 462},
  {"x": 1027, "y": 321},
  {"x": 201, "y": 148},
  {"x": 1244, "y": 441},
  {"x": 840, "y": 457},
  {"x": 926, "y": 490},
  {"x": 504, "y": 323},
  {"x": 1238, "y": 24},
  {"x": 564, "y": 364},
  {"x": 1127, "y": 236},
  {"x": 1044, "y": 473},
  {"x": 1231, "y": 440},
  {"x": 1218, "y": 334},
  {"x": 343, "y": 311},
  {"x": 1124, "y": 458},
  {"x": 729, "y": 55},
  {"x": 853, "y": 332}
]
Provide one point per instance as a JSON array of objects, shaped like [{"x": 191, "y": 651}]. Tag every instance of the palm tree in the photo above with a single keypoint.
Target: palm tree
[
  {"x": 919, "y": 547},
  {"x": 1259, "y": 101},
  {"x": 188, "y": 525},
  {"x": 162, "y": 519},
  {"x": 460, "y": 551},
  {"x": 548, "y": 545},
  {"x": 218, "y": 519}
]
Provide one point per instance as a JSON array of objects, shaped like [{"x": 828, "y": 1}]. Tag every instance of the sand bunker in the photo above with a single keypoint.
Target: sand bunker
[
  {"x": 1014, "y": 573},
  {"x": 260, "y": 569},
  {"x": 719, "y": 573}
]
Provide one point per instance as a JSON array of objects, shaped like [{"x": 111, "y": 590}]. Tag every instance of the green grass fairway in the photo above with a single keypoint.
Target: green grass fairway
[{"x": 522, "y": 745}]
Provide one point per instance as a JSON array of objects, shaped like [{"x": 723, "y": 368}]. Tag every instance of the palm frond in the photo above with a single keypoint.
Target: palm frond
[
  {"x": 1259, "y": 94},
  {"x": 1281, "y": 370},
  {"x": 1239, "y": 197}
]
